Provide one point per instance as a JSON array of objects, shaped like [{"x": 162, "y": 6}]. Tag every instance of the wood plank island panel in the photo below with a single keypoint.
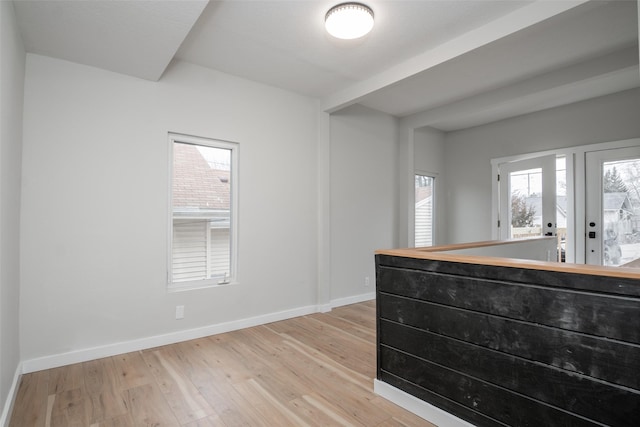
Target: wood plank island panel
[{"x": 508, "y": 344}]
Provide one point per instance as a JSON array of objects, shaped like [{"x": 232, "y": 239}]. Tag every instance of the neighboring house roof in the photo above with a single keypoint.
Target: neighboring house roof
[
  {"x": 196, "y": 186},
  {"x": 616, "y": 202},
  {"x": 421, "y": 193},
  {"x": 423, "y": 202}
]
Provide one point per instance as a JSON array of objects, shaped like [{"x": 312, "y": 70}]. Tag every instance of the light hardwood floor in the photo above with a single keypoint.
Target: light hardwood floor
[{"x": 315, "y": 370}]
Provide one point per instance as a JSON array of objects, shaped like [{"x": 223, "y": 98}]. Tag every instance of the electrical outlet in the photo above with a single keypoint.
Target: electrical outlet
[
  {"x": 179, "y": 312},
  {"x": 366, "y": 282}
]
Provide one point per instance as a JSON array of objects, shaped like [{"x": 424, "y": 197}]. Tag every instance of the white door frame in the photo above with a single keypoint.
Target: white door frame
[
  {"x": 576, "y": 191},
  {"x": 547, "y": 164},
  {"x": 593, "y": 207}
]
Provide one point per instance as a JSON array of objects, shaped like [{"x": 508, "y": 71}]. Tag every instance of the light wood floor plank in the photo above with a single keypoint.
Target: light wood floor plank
[
  {"x": 212, "y": 421},
  {"x": 131, "y": 371},
  {"x": 69, "y": 409},
  {"x": 351, "y": 352},
  {"x": 148, "y": 407},
  {"x": 318, "y": 415},
  {"x": 355, "y": 330},
  {"x": 105, "y": 401},
  {"x": 321, "y": 366},
  {"x": 336, "y": 414},
  {"x": 236, "y": 410},
  {"x": 363, "y": 313},
  {"x": 265, "y": 357},
  {"x": 315, "y": 370},
  {"x": 98, "y": 374},
  {"x": 30, "y": 407},
  {"x": 269, "y": 410},
  {"x": 121, "y": 421},
  {"x": 185, "y": 400},
  {"x": 66, "y": 378},
  {"x": 214, "y": 385}
]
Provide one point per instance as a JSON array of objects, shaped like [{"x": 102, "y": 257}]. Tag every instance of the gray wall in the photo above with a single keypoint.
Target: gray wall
[
  {"x": 95, "y": 195},
  {"x": 12, "y": 61},
  {"x": 428, "y": 150},
  {"x": 468, "y": 153},
  {"x": 363, "y": 196},
  {"x": 94, "y": 220}
]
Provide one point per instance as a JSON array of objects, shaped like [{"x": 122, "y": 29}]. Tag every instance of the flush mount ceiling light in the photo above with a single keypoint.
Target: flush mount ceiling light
[{"x": 349, "y": 20}]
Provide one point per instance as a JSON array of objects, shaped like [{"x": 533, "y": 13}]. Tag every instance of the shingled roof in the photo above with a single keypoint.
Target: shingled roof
[{"x": 197, "y": 187}]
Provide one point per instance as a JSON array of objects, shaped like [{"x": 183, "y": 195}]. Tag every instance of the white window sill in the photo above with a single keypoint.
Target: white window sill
[{"x": 196, "y": 286}]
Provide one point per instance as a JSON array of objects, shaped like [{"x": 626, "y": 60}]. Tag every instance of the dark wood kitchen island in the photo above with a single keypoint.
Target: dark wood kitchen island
[{"x": 499, "y": 341}]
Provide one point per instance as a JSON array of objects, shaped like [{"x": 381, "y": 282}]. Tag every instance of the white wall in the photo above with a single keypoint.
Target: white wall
[
  {"x": 12, "y": 61},
  {"x": 363, "y": 196},
  {"x": 428, "y": 156},
  {"x": 468, "y": 153},
  {"x": 95, "y": 198},
  {"x": 428, "y": 150},
  {"x": 418, "y": 149}
]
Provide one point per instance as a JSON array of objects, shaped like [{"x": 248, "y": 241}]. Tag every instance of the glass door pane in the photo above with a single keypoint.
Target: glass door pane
[
  {"x": 613, "y": 207},
  {"x": 527, "y": 198},
  {"x": 526, "y": 203}
]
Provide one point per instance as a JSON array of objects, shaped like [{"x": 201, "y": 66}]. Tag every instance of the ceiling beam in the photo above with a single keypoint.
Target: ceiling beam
[
  {"x": 524, "y": 17},
  {"x": 610, "y": 73}
]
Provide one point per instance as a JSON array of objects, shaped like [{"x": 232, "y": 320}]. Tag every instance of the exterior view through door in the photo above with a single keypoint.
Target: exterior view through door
[
  {"x": 527, "y": 198},
  {"x": 613, "y": 207}
]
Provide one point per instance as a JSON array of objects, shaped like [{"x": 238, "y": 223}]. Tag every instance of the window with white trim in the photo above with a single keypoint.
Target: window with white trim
[
  {"x": 203, "y": 212},
  {"x": 424, "y": 210}
]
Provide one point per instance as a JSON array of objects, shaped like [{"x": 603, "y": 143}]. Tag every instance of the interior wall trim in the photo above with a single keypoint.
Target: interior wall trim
[
  {"x": 86, "y": 354},
  {"x": 419, "y": 407},
  {"x": 11, "y": 397},
  {"x": 339, "y": 302}
]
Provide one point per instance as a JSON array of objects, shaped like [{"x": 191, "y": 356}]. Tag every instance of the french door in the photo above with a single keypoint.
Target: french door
[
  {"x": 527, "y": 198},
  {"x": 613, "y": 207}
]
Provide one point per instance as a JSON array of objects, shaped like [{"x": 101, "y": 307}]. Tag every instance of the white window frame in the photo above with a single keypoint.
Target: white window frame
[
  {"x": 233, "y": 214},
  {"x": 434, "y": 201}
]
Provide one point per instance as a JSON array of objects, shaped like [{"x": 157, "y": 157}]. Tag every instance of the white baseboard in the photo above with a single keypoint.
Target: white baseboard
[
  {"x": 11, "y": 397},
  {"x": 325, "y": 308},
  {"x": 419, "y": 407},
  {"x": 78, "y": 356},
  {"x": 352, "y": 299},
  {"x": 83, "y": 355}
]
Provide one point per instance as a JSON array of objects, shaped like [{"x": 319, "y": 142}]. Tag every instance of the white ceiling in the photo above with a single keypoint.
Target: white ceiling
[
  {"x": 138, "y": 38},
  {"x": 284, "y": 42},
  {"x": 448, "y": 64}
]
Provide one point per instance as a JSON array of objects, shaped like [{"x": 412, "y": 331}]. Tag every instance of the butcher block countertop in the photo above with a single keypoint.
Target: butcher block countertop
[{"x": 444, "y": 253}]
